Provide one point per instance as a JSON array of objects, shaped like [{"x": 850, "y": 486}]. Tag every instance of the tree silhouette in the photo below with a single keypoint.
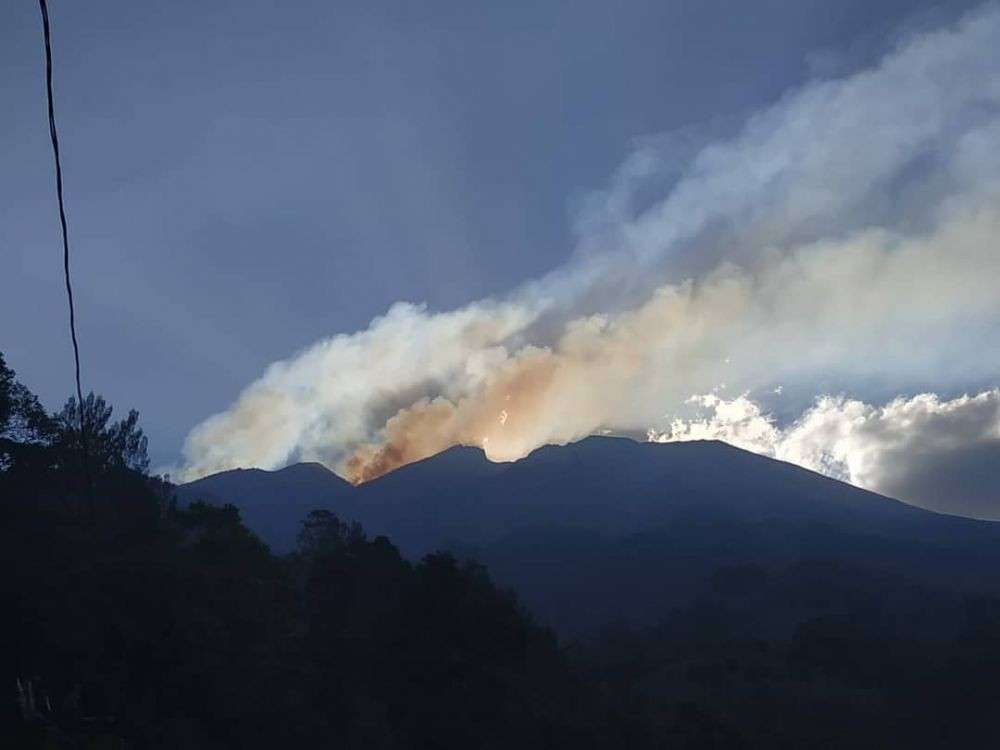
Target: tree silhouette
[
  {"x": 110, "y": 445},
  {"x": 323, "y": 533},
  {"x": 22, "y": 418}
]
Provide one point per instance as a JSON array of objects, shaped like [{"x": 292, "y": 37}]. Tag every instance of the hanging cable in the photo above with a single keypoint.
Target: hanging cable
[{"x": 65, "y": 238}]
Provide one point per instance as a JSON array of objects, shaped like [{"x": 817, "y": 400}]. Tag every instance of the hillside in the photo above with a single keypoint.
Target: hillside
[
  {"x": 608, "y": 528},
  {"x": 273, "y": 503}
]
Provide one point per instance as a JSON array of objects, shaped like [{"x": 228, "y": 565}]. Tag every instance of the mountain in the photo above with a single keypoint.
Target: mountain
[
  {"x": 272, "y": 503},
  {"x": 609, "y": 528}
]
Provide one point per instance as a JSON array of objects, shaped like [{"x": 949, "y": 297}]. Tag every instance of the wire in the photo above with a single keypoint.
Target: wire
[{"x": 65, "y": 238}]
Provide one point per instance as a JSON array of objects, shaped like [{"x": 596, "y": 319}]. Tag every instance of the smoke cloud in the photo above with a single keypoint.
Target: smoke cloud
[
  {"x": 847, "y": 235},
  {"x": 939, "y": 454}
]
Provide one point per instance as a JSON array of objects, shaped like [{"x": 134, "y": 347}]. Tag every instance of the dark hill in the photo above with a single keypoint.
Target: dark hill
[
  {"x": 611, "y": 528},
  {"x": 273, "y": 503}
]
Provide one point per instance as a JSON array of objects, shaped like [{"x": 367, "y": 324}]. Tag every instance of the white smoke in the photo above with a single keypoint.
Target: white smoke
[
  {"x": 938, "y": 454},
  {"x": 739, "y": 421},
  {"x": 849, "y": 232}
]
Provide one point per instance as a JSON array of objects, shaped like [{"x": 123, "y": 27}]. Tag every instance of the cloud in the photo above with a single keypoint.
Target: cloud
[
  {"x": 847, "y": 234},
  {"x": 939, "y": 454},
  {"x": 739, "y": 421}
]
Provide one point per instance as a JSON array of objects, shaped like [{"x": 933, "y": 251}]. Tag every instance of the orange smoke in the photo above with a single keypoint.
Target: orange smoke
[{"x": 498, "y": 419}]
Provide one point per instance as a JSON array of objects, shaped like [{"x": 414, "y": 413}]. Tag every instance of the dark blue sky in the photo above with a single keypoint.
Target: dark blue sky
[{"x": 244, "y": 178}]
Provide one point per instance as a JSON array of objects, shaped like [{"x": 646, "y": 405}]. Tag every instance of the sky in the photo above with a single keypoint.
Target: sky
[{"x": 607, "y": 217}]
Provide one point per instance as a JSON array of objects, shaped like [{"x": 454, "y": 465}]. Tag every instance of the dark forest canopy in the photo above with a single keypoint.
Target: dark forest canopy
[{"x": 133, "y": 622}]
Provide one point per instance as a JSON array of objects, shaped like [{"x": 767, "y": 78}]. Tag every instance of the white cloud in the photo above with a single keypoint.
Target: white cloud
[
  {"x": 935, "y": 453},
  {"x": 739, "y": 421}
]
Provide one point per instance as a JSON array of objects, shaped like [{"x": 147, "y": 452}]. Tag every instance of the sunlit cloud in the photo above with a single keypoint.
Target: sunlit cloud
[{"x": 942, "y": 454}]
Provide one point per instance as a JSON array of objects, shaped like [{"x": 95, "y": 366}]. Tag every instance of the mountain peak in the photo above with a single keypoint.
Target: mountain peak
[{"x": 310, "y": 470}]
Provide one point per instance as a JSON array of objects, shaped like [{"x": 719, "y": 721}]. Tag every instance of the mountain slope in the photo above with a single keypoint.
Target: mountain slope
[
  {"x": 617, "y": 486},
  {"x": 610, "y": 528},
  {"x": 272, "y": 503}
]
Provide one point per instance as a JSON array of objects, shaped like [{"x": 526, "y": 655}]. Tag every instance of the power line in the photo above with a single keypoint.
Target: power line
[{"x": 65, "y": 238}]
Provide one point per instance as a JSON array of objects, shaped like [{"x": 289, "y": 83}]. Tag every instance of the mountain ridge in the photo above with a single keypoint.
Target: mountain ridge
[
  {"x": 634, "y": 468},
  {"x": 633, "y": 528}
]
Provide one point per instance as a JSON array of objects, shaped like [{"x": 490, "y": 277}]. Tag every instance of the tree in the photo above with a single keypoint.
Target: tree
[
  {"x": 22, "y": 418},
  {"x": 109, "y": 445},
  {"x": 323, "y": 532}
]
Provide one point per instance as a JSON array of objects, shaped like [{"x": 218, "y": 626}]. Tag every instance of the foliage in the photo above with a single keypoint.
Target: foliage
[
  {"x": 109, "y": 445},
  {"x": 324, "y": 533},
  {"x": 22, "y": 418}
]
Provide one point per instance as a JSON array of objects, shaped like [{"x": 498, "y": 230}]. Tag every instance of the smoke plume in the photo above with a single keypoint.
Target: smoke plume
[{"x": 847, "y": 235}]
